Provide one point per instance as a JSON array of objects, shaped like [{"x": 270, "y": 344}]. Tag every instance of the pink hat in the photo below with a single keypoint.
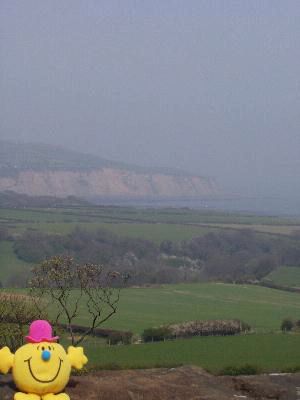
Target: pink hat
[{"x": 40, "y": 331}]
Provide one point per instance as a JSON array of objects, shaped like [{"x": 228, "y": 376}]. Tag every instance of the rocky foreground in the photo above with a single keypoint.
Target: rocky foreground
[{"x": 176, "y": 383}]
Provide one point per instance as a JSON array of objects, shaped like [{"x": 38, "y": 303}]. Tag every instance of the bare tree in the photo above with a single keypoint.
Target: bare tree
[{"x": 69, "y": 288}]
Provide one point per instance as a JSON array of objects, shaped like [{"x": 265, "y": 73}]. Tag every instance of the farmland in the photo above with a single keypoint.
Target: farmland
[
  {"x": 141, "y": 308},
  {"x": 266, "y": 352},
  {"x": 151, "y": 224},
  {"x": 9, "y": 262},
  {"x": 266, "y": 348},
  {"x": 62, "y": 220},
  {"x": 286, "y": 276}
]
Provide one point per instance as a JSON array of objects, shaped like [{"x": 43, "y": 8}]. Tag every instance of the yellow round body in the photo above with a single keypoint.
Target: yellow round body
[{"x": 41, "y": 368}]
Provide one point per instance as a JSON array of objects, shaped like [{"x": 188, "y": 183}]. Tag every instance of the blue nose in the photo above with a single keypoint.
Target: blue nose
[{"x": 46, "y": 355}]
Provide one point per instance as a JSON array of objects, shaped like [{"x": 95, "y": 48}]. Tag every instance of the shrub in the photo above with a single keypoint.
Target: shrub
[
  {"x": 11, "y": 335},
  {"x": 246, "y": 369},
  {"x": 291, "y": 370},
  {"x": 209, "y": 328},
  {"x": 156, "y": 334},
  {"x": 245, "y": 327},
  {"x": 119, "y": 338},
  {"x": 287, "y": 325},
  {"x": 17, "y": 311}
]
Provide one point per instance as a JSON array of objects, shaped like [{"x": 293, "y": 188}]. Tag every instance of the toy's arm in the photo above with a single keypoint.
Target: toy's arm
[
  {"x": 76, "y": 356},
  {"x": 6, "y": 360}
]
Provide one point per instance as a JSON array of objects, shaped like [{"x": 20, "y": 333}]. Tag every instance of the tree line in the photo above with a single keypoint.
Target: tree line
[{"x": 229, "y": 256}]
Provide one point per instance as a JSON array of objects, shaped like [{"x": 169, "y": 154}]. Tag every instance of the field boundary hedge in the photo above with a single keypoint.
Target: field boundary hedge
[
  {"x": 196, "y": 328},
  {"x": 273, "y": 285},
  {"x": 98, "y": 332}
]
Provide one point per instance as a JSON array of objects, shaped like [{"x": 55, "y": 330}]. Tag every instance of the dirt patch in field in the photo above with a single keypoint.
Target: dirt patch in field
[{"x": 184, "y": 383}]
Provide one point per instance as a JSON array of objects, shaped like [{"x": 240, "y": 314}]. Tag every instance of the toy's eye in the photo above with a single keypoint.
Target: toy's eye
[
  {"x": 49, "y": 347},
  {"x": 43, "y": 348}
]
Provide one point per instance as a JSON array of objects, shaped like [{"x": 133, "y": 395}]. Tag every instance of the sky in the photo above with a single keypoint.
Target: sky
[{"x": 210, "y": 87}]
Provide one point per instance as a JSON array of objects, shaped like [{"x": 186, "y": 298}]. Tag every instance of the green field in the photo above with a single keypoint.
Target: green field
[
  {"x": 63, "y": 219},
  {"x": 277, "y": 352},
  {"x": 9, "y": 263},
  {"x": 287, "y": 276},
  {"x": 143, "y": 307},
  {"x": 140, "y": 308},
  {"x": 156, "y": 232},
  {"x": 151, "y": 224},
  {"x": 263, "y": 308},
  {"x": 132, "y": 214}
]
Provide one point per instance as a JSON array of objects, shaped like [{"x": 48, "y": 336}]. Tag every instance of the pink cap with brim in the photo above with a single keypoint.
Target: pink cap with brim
[{"x": 40, "y": 331}]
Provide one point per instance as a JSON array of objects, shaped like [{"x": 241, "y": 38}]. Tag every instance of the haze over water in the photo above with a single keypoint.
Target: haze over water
[{"x": 210, "y": 87}]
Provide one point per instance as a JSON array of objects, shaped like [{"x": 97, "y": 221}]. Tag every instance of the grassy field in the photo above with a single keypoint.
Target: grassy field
[
  {"x": 132, "y": 214},
  {"x": 9, "y": 263},
  {"x": 151, "y": 224},
  {"x": 140, "y": 308},
  {"x": 277, "y": 352},
  {"x": 155, "y": 232},
  {"x": 89, "y": 216},
  {"x": 273, "y": 229},
  {"x": 287, "y": 276},
  {"x": 263, "y": 308}
]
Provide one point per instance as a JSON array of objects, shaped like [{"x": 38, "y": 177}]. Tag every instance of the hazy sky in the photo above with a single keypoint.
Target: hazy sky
[{"x": 212, "y": 87}]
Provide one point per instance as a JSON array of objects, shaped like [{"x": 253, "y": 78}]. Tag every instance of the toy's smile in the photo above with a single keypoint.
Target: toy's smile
[{"x": 39, "y": 380}]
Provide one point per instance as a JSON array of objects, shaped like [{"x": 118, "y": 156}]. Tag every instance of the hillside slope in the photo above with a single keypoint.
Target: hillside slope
[{"x": 43, "y": 170}]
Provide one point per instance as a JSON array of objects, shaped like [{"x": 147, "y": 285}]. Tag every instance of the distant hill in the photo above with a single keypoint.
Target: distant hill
[
  {"x": 16, "y": 157},
  {"x": 45, "y": 170},
  {"x": 9, "y": 199}
]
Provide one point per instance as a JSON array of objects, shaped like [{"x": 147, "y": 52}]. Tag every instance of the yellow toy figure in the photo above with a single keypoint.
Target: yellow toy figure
[{"x": 41, "y": 368}]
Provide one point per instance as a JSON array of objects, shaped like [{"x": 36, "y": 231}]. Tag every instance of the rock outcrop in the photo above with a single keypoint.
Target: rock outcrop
[
  {"x": 44, "y": 170},
  {"x": 184, "y": 383},
  {"x": 107, "y": 182}
]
